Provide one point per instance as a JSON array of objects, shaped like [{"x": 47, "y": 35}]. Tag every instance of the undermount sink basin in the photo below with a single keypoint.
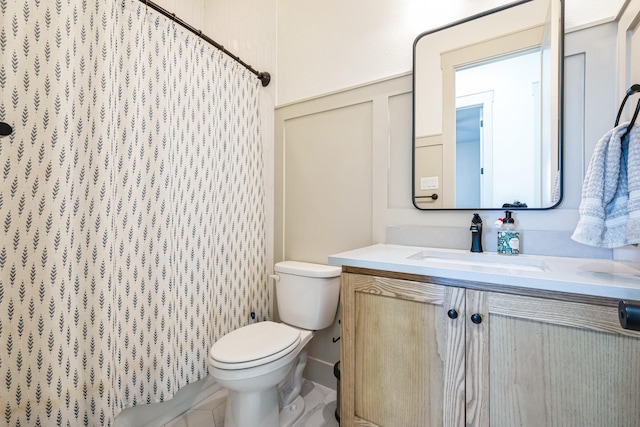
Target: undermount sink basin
[{"x": 462, "y": 258}]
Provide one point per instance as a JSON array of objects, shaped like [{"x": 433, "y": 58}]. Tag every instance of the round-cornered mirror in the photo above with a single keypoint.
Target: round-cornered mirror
[{"x": 487, "y": 110}]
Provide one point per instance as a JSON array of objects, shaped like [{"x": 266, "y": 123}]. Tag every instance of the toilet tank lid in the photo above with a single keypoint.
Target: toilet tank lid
[{"x": 307, "y": 269}]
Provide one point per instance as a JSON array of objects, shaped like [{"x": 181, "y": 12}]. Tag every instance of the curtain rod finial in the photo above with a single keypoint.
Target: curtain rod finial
[
  {"x": 5, "y": 129},
  {"x": 265, "y": 78}
]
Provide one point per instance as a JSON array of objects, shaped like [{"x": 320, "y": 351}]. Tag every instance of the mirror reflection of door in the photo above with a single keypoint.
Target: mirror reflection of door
[
  {"x": 511, "y": 151},
  {"x": 474, "y": 145},
  {"x": 469, "y": 168}
]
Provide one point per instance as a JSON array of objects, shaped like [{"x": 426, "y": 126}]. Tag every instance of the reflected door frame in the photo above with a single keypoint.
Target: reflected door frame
[{"x": 483, "y": 100}]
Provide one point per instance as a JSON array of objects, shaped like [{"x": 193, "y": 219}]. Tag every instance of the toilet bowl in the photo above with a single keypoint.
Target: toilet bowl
[
  {"x": 261, "y": 364},
  {"x": 252, "y": 377}
]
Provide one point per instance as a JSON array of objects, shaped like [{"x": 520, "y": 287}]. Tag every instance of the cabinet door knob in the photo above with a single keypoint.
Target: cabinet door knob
[
  {"x": 453, "y": 314},
  {"x": 476, "y": 318}
]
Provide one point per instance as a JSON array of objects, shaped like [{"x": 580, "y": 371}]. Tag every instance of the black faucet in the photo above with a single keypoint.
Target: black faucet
[{"x": 476, "y": 233}]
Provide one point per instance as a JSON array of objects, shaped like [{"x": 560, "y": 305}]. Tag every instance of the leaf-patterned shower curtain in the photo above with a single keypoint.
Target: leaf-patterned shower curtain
[{"x": 131, "y": 208}]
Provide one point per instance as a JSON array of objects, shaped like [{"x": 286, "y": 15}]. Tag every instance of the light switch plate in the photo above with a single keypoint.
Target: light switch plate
[{"x": 429, "y": 183}]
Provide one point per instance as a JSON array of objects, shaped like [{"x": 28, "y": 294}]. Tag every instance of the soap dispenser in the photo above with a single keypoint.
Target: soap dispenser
[{"x": 508, "y": 237}]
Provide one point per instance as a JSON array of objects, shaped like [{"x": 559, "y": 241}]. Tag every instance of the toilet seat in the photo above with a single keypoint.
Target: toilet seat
[{"x": 254, "y": 345}]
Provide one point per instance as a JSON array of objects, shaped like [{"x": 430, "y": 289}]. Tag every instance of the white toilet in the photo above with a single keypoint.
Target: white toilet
[{"x": 261, "y": 364}]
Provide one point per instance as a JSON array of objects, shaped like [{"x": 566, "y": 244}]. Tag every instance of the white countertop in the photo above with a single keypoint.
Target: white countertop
[{"x": 585, "y": 276}]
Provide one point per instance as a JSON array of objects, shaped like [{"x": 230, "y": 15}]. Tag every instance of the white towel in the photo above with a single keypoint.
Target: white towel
[
  {"x": 633, "y": 207},
  {"x": 611, "y": 192}
]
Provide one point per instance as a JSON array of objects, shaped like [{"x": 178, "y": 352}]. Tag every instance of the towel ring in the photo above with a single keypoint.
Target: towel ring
[
  {"x": 633, "y": 89},
  {"x": 633, "y": 121}
]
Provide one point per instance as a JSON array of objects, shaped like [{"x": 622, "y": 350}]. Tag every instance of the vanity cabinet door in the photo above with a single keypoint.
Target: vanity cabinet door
[
  {"x": 402, "y": 357},
  {"x": 537, "y": 362}
]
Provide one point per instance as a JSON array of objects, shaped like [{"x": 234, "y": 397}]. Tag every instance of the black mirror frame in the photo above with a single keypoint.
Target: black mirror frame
[{"x": 560, "y": 109}]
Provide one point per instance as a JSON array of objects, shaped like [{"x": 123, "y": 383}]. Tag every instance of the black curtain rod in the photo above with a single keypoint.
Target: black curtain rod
[{"x": 263, "y": 76}]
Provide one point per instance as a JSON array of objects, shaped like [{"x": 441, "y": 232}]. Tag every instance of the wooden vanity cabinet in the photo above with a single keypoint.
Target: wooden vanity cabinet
[
  {"x": 402, "y": 357},
  {"x": 498, "y": 359}
]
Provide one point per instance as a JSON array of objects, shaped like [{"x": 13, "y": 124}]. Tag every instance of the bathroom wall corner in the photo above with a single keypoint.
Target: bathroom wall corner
[{"x": 321, "y": 372}]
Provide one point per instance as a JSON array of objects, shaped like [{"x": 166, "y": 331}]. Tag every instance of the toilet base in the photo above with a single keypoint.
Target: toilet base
[
  {"x": 259, "y": 408},
  {"x": 292, "y": 413}
]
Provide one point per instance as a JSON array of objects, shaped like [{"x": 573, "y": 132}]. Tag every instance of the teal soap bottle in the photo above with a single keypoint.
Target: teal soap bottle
[{"x": 508, "y": 236}]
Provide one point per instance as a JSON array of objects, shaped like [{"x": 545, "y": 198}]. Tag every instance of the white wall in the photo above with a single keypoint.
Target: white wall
[
  {"x": 331, "y": 45},
  {"x": 628, "y": 41}
]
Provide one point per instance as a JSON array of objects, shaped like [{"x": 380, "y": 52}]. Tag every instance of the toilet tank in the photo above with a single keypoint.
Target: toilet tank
[{"x": 307, "y": 294}]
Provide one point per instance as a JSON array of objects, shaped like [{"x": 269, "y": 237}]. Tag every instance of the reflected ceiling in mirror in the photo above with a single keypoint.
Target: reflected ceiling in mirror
[{"x": 488, "y": 110}]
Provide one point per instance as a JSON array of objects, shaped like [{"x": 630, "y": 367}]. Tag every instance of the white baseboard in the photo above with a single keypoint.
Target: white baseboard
[{"x": 321, "y": 372}]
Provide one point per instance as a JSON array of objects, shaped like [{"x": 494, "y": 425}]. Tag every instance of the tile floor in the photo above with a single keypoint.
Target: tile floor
[{"x": 319, "y": 402}]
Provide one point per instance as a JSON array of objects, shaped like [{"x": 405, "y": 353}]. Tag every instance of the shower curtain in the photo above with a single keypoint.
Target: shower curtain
[{"x": 132, "y": 228}]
